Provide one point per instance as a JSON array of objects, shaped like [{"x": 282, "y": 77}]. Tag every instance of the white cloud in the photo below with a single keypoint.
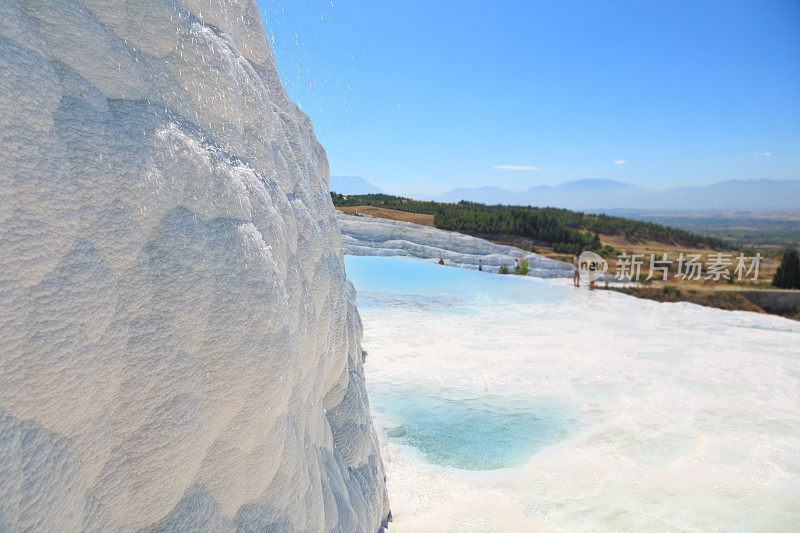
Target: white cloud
[
  {"x": 515, "y": 167},
  {"x": 421, "y": 179},
  {"x": 620, "y": 162},
  {"x": 762, "y": 154}
]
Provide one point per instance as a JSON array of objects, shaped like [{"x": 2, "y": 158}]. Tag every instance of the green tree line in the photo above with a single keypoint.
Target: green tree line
[{"x": 566, "y": 231}]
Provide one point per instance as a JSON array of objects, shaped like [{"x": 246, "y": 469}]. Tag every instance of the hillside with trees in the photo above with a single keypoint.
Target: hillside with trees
[{"x": 566, "y": 231}]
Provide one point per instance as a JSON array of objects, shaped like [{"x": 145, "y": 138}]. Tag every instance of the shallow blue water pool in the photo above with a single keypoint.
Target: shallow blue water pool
[
  {"x": 469, "y": 432},
  {"x": 404, "y": 282},
  {"x": 467, "y": 429}
]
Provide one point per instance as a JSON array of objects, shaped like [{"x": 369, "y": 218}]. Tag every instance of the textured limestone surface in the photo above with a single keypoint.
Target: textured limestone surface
[
  {"x": 378, "y": 236},
  {"x": 179, "y": 345}
]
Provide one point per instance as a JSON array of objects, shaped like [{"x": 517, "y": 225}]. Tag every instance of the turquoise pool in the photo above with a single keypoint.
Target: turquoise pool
[
  {"x": 399, "y": 281},
  {"x": 460, "y": 428},
  {"x": 469, "y": 432}
]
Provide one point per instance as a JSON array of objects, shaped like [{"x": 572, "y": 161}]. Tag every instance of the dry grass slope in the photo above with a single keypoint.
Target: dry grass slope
[{"x": 391, "y": 214}]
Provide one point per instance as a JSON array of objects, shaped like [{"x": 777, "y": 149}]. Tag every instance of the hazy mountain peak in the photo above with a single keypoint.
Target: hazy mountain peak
[{"x": 352, "y": 185}]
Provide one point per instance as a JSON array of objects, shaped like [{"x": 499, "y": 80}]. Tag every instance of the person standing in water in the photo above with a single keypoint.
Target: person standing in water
[
  {"x": 480, "y": 265},
  {"x": 441, "y": 261},
  {"x": 516, "y": 266},
  {"x": 576, "y": 276}
]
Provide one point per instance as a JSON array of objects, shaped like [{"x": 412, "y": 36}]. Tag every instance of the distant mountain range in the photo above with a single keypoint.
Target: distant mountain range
[
  {"x": 352, "y": 185},
  {"x": 607, "y": 195},
  {"x": 604, "y": 195},
  {"x": 580, "y": 194}
]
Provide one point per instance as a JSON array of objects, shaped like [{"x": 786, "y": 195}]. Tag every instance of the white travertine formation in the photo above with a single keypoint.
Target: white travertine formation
[
  {"x": 179, "y": 346},
  {"x": 363, "y": 235}
]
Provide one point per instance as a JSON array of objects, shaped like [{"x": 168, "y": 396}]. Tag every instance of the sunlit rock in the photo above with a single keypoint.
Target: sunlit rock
[{"x": 179, "y": 346}]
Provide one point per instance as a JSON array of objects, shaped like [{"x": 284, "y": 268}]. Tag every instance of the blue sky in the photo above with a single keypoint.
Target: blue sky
[{"x": 426, "y": 96}]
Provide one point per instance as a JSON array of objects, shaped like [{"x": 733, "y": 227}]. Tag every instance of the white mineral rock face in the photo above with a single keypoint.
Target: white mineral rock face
[
  {"x": 179, "y": 346},
  {"x": 377, "y": 236}
]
